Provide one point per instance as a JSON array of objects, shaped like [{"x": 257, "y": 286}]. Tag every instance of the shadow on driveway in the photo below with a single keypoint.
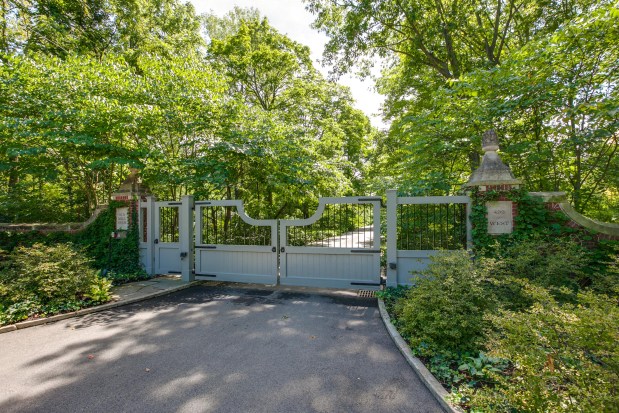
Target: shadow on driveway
[{"x": 213, "y": 349}]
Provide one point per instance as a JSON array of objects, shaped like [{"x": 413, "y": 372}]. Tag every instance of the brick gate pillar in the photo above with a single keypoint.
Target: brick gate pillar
[{"x": 494, "y": 175}]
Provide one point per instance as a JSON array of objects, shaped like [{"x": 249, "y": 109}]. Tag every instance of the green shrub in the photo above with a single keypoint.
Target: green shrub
[
  {"x": 444, "y": 311},
  {"x": 48, "y": 273},
  {"x": 545, "y": 261},
  {"x": 118, "y": 259},
  {"x": 564, "y": 358},
  {"x": 43, "y": 280},
  {"x": 391, "y": 295},
  {"x": 99, "y": 290}
]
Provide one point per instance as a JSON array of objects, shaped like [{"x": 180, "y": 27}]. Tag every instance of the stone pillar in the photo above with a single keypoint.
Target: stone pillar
[
  {"x": 130, "y": 193},
  {"x": 494, "y": 175}
]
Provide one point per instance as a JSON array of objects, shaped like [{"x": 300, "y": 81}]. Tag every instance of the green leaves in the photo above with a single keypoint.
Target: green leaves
[{"x": 252, "y": 119}]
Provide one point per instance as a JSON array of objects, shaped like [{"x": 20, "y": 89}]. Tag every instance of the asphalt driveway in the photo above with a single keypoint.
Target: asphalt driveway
[{"x": 213, "y": 349}]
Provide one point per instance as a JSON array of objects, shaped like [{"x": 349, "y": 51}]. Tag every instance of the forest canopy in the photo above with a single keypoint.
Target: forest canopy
[
  {"x": 543, "y": 73},
  {"x": 216, "y": 107},
  {"x": 229, "y": 107}
]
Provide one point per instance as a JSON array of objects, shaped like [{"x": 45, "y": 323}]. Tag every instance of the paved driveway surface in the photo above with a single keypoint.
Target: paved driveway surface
[{"x": 213, "y": 349}]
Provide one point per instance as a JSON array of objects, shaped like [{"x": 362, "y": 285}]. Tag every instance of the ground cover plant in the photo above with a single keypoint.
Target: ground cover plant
[
  {"x": 43, "y": 280},
  {"x": 524, "y": 332}
]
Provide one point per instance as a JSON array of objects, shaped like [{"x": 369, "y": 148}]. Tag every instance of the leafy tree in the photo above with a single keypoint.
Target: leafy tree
[
  {"x": 322, "y": 137},
  {"x": 99, "y": 27},
  {"x": 540, "y": 72},
  {"x": 261, "y": 63},
  {"x": 218, "y": 28}
]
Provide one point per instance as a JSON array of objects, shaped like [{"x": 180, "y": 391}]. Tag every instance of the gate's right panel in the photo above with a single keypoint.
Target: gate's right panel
[
  {"x": 337, "y": 247},
  {"x": 420, "y": 227}
]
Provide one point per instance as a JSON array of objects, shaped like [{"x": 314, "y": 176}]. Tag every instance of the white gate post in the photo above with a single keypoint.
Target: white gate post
[
  {"x": 186, "y": 238},
  {"x": 392, "y": 235},
  {"x": 147, "y": 239}
]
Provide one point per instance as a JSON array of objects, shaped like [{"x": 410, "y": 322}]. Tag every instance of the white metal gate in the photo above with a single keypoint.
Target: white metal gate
[
  {"x": 230, "y": 246},
  {"x": 337, "y": 247}
]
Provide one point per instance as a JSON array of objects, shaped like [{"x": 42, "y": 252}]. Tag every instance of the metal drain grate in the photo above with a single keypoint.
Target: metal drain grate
[{"x": 366, "y": 294}]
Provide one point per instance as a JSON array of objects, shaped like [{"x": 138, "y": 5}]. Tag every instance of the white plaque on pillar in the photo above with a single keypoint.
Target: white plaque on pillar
[
  {"x": 122, "y": 218},
  {"x": 500, "y": 217}
]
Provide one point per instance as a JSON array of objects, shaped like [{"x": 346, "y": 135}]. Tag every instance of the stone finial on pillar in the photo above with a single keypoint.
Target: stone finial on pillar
[
  {"x": 493, "y": 174},
  {"x": 492, "y": 171}
]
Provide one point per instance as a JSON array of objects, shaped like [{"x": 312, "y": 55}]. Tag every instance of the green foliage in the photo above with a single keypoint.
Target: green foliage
[
  {"x": 48, "y": 273},
  {"x": 99, "y": 291},
  {"x": 391, "y": 295},
  {"x": 444, "y": 311},
  {"x": 543, "y": 248},
  {"x": 478, "y": 370},
  {"x": 524, "y": 330},
  {"x": 118, "y": 258},
  {"x": 549, "y": 262},
  {"x": 541, "y": 73},
  {"x": 533, "y": 219},
  {"x": 564, "y": 357},
  {"x": 246, "y": 118},
  {"x": 41, "y": 280}
]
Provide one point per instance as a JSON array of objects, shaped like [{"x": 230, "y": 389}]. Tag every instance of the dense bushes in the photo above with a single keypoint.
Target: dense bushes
[
  {"x": 445, "y": 309},
  {"x": 118, "y": 259},
  {"x": 43, "y": 280},
  {"x": 564, "y": 358},
  {"x": 46, "y": 274},
  {"x": 526, "y": 331}
]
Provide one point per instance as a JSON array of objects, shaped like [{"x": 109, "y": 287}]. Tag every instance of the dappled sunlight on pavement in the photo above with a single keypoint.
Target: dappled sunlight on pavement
[{"x": 213, "y": 349}]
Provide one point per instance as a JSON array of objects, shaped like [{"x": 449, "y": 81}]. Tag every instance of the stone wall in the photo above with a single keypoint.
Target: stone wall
[
  {"x": 71, "y": 227},
  {"x": 557, "y": 201}
]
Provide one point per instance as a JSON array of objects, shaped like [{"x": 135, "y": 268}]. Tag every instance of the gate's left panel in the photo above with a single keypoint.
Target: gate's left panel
[
  {"x": 167, "y": 241},
  {"x": 230, "y": 246}
]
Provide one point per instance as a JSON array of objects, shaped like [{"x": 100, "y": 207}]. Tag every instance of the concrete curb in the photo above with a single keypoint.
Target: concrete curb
[
  {"x": 103, "y": 307},
  {"x": 424, "y": 374}
]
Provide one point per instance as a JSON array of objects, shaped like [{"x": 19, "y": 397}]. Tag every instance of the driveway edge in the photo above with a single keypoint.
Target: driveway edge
[
  {"x": 89, "y": 310},
  {"x": 437, "y": 390}
]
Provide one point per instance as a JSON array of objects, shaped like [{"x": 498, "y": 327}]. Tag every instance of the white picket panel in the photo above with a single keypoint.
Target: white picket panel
[
  {"x": 403, "y": 263},
  {"x": 237, "y": 263},
  {"x": 331, "y": 266}
]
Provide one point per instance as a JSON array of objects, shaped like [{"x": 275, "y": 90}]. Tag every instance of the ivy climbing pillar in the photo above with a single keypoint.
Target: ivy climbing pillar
[{"x": 135, "y": 212}]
